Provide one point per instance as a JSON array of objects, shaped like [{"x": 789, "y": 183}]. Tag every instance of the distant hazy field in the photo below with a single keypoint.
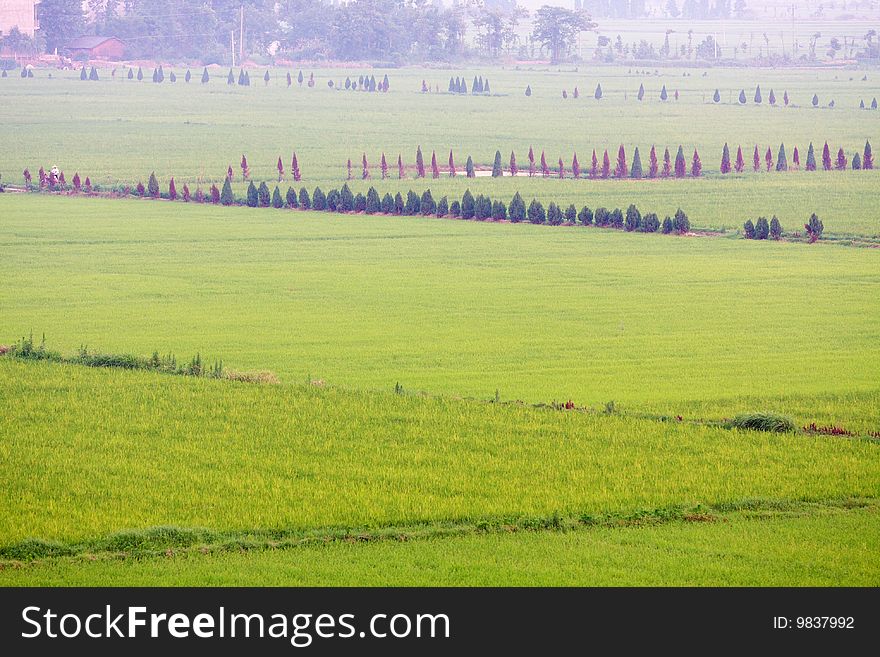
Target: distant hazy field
[{"x": 117, "y": 130}]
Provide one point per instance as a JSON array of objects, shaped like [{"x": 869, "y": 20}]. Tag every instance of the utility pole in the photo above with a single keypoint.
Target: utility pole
[
  {"x": 232, "y": 45},
  {"x": 241, "y": 36}
]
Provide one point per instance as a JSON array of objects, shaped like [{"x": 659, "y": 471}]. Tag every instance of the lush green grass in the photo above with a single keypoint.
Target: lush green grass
[
  {"x": 86, "y": 452},
  {"x": 538, "y": 313},
  {"x": 835, "y": 548},
  {"x": 703, "y": 327},
  {"x": 117, "y": 130}
]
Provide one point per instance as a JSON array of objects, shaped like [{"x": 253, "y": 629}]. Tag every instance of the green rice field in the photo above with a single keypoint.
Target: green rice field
[{"x": 423, "y": 364}]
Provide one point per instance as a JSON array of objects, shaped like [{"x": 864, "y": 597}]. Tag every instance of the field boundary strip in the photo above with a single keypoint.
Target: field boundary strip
[{"x": 171, "y": 541}]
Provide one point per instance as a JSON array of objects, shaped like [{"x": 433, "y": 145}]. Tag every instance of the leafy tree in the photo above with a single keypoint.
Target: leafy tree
[
  {"x": 266, "y": 77},
  {"x": 796, "y": 159},
  {"x": 749, "y": 229},
  {"x": 841, "y": 160},
  {"x": 868, "y": 158},
  {"x": 575, "y": 167},
  {"x": 499, "y": 210},
  {"x": 570, "y": 214},
  {"x": 172, "y": 77},
  {"x": 598, "y": 93},
  {"x": 442, "y": 207},
  {"x": 663, "y": 95},
  {"x": 528, "y": 90},
  {"x": 652, "y": 163},
  {"x": 667, "y": 225},
  {"x": 633, "y": 218},
  {"x": 304, "y": 201},
  {"x": 636, "y": 170},
  {"x": 667, "y": 164},
  {"x": 650, "y": 223},
  {"x": 467, "y": 205},
  {"x": 725, "y": 159},
  {"x": 299, "y": 78},
  {"x": 616, "y": 219},
  {"x": 606, "y": 165},
  {"x": 762, "y": 228},
  {"x": 413, "y": 203},
  {"x": 856, "y": 162},
  {"x": 756, "y": 160},
  {"x": 188, "y": 77},
  {"x": 435, "y": 170},
  {"x": 556, "y": 29},
  {"x": 781, "y": 161},
  {"x": 536, "y": 214},
  {"x": 230, "y": 79},
  {"x": 455, "y": 209},
  {"x": 561, "y": 169},
  {"x": 814, "y": 228},
  {"x": 388, "y": 204},
  {"x": 334, "y": 200},
  {"x": 696, "y": 165},
  {"x": 482, "y": 207},
  {"x": 815, "y": 100},
  {"x": 252, "y": 197},
  {"x": 680, "y": 222},
  {"x": 319, "y": 199},
  {"x": 758, "y": 94},
  {"x": 785, "y": 98},
  {"x": 172, "y": 190},
  {"x": 399, "y": 204},
  {"x": 420, "y": 163},
  {"x": 226, "y": 196},
  {"x": 772, "y": 98},
  {"x": 130, "y": 74},
  {"x": 496, "y": 165},
  {"x": 373, "y": 204},
  {"x": 93, "y": 74},
  {"x": 427, "y": 204},
  {"x": 717, "y": 96},
  {"x": 641, "y": 93},
  {"x": 585, "y": 216},
  {"x": 277, "y": 201},
  {"x": 826, "y": 157},
  {"x": 554, "y": 214},
  {"x": 811, "y": 158},
  {"x": 205, "y": 77},
  {"x": 265, "y": 197},
  {"x": 602, "y": 217},
  {"x": 680, "y": 166},
  {"x": 740, "y": 164},
  {"x": 291, "y": 198},
  {"x": 469, "y": 168},
  {"x": 153, "y": 186},
  {"x": 513, "y": 168},
  {"x": 545, "y": 170},
  {"x": 768, "y": 158},
  {"x": 742, "y": 97},
  {"x": 517, "y": 209},
  {"x": 82, "y": 74},
  {"x": 775, "y": 228},
  {"x": 360, "y": 203},
  {"x": 346, "y": 199},
  {"x": 60, "y": 21}
]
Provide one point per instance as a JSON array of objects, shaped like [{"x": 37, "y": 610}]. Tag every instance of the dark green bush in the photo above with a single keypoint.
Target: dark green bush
[{"x": 772, "y": 422}]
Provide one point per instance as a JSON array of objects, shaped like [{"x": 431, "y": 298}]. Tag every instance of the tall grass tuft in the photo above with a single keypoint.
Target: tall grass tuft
[{"x": 773, "y": 422}]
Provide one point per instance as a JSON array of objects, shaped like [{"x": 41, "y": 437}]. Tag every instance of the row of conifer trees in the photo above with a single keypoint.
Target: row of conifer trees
[
  {"x": 865, "y": 160},
  {"x": 480, "y": 207}
]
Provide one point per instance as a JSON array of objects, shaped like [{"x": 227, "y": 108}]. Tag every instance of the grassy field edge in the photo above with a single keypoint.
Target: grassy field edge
[{"x": 174, "y": 541}]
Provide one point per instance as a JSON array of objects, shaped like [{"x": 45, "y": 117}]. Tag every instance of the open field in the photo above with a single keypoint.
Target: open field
[
  {"x": 343, "y": 308},
  {"x": 538, "y": 313},
  {"x": 232, "y": 456},
  {"x": 117, "y": 130}
]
